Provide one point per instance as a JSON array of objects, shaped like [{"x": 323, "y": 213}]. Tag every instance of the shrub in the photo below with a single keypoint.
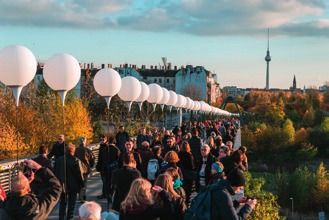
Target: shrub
[{"x": 267, "y": 207}]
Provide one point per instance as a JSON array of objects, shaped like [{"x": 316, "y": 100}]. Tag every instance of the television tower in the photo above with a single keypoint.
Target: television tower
[{"x": 268, "y": 59}]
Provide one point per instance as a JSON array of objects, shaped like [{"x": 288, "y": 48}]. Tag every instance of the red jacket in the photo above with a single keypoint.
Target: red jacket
[{"x": 2, "y": 194}]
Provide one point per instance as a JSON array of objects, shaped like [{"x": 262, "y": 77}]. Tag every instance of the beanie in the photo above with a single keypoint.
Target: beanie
[{"x": 236, "y": 178}]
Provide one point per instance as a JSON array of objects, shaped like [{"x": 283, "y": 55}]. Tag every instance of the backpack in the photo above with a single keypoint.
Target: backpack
[
  {"x": 152, "y": 169},
  {"x": 201, "y": 205}
]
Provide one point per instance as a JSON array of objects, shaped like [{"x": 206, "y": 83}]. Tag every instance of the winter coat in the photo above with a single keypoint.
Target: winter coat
[
  {"x": 120, "y": 184},
  {"x": 35, "y": 206}
]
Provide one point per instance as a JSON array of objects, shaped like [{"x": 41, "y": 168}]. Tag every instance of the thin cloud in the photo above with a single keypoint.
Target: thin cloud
[{"x": 196, "y": 17}]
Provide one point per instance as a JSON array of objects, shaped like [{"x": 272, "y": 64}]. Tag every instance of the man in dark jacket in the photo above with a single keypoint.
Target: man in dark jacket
[
  {"x": 58, "y": 148},
  {"x": 222, "y": 204},
  {"x": 73, "y": 181},
  {"x": 107, "y": 162},
  {"x": 42, "y": 158},
  {"x": 122, "y": 179},
  {"x": 129, "y": 148},
  {"x": 22, "y": 203},
  {"x": 141, "y": 137},
  {"x": 196, "y": 144},
  {"x": 121, "y": 138}
]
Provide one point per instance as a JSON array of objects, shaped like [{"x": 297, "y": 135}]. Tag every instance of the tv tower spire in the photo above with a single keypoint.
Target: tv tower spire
[{"x": 268, "y": 59}]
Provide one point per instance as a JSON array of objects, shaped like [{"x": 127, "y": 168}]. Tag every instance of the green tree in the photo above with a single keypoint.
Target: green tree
[{"x": 309, "y": 117}]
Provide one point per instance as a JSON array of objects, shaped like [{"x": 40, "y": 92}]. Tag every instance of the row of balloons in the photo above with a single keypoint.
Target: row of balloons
[{"x": 62, "y": 72}]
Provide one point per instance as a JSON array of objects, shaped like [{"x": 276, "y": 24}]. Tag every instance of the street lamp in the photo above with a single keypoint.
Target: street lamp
[{"x": 292, "y": 206}]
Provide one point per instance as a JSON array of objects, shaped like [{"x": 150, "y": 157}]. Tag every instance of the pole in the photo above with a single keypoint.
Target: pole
[
  {"x": 16, "y": 122},
  {"x": 292, "y": 206}
]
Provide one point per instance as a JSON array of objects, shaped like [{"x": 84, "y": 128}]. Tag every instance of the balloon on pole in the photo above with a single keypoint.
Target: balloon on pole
[
  {"x": 172, "y": 99},
  {"x": 145, "y": 93},
  {"x": 130, "y": 90},
  {"x": 62, "y": 73},
  {"x": 156, "y": 94},
  {"x": 18, "y": 67},
  {"x": 165, "y": 98},
  {"x": 107, "y": 83}
]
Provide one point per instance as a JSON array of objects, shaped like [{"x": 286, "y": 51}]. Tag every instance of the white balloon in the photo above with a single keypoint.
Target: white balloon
[
  {"x": 62, "y": 72},
  {"x": 156, "y": 94},
  {"x": 180, "y": 101},
  {"x": 145, "y": 93},
  {"x": 165, "y": 96},
  {"x": 107, "y": 82},
  {"x": 17, "y": 66},
  {"x": 130, "y": 89},
  {"x": 172, "y": 98}
]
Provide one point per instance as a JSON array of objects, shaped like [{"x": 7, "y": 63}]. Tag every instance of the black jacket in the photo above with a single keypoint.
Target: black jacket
[
  {"x": 43, "y": 161},
  {"x": 120, "y": 184},
  {"x": 222, "y": 204},
  {"x": 74, "y": 175},
  {"x": 196, "y": 144},
  {"x": 152, "y": 212},
  {"x": 121, "y": 138},
  {"x": 57, "y": 150},
  {"x": 108, "y": 154},
  {"x": 87, "y": 158},
  {"x": 35, "y": 206}
]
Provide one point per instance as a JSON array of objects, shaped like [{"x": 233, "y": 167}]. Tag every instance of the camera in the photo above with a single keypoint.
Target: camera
[{"x": 27, "y": 171}]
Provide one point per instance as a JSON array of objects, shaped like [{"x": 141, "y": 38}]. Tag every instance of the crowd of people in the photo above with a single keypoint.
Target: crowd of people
[{"x": 160, "y": 174}]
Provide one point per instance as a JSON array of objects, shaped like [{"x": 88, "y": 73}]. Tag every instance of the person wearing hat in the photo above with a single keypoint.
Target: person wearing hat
[
  {"x": 222, "y": 201},
  {"x": 217, "y": 172}
]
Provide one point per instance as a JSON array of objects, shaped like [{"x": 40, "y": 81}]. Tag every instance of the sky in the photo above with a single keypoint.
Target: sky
[{"x": 227, "y": 37}]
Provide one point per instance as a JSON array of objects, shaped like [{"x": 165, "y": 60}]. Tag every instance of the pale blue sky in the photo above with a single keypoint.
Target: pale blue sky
[{"x": 227, "y": 37}]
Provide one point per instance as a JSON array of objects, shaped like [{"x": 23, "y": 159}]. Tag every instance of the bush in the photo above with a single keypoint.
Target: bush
[
  {"x": 310, "y": 190},
  {"x": 267, "y": 207}
]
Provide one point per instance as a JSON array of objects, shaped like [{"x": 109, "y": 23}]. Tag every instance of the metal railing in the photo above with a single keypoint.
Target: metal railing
[{"x": 8, "y": 169}]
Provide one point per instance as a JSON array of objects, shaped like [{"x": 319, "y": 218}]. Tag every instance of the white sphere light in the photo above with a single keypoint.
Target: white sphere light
[
  {"x": 180, "y": 101},
  {"x": 130, "y": 89},
  {"x": 156, "y": 94},
  {"x": 18, "y": 67},
  {"x": 145, "y": 93},
  {"x": 62, "y": 72},
  {"x": 107, "y": 83},
  {"x": 172, "y": 98},
  {"x": 165, "y": 96}
]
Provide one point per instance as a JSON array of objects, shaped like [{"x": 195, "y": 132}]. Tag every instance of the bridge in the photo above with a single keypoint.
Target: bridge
[{"x": 94, "y": 185}]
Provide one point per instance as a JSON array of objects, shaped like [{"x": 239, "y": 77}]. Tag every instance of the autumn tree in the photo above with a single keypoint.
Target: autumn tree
[{"x": 289, "y": 130}]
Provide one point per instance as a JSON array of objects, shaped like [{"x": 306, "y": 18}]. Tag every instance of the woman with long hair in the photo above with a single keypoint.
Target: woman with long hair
[
  {"x": 165, "y": 181},
  {"x": 139, "y": 203}
]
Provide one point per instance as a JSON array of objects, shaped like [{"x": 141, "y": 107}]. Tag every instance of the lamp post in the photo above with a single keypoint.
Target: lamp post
[
  {"x": 156, "y": 94},
  {"x": 163, "y": 102},
  {"x": 62, "y": 73},
  {"x": 17, "y": 68},
  {"x": 292, "y": 206}
]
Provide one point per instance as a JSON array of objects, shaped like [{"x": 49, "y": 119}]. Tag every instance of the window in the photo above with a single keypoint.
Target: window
[
  {"x": 160, "y": 80},
  {"x": 155, "y": 81},
  {"x": 167, "y": 80}
]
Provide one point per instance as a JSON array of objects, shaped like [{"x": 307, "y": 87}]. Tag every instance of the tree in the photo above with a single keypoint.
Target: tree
[
  {"x": 309, "y": 117},
  {"x": 289, "y": 130}
]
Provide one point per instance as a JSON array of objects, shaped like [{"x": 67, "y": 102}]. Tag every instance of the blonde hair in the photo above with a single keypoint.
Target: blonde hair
[
  {"x": 139, "y": 195},
  {"x": 166, "y": 182}
]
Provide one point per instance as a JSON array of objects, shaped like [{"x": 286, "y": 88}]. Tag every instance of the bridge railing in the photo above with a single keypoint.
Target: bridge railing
[{"x": 8, "y": 169}]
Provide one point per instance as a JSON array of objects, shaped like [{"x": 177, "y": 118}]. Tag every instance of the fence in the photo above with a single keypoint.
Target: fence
[{"x": 9, "y": 169}]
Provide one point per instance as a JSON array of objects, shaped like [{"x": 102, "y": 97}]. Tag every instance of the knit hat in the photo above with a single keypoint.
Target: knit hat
[{"x": 236, "y": 178}]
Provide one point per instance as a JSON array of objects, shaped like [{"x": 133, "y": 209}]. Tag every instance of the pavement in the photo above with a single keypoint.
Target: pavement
[{"x": 94, "y": 188}]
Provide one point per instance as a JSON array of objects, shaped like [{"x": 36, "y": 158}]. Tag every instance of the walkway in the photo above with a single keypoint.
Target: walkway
[
  {"x": 94, "y": 188},
  {"x": 237, "y": 142}
]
